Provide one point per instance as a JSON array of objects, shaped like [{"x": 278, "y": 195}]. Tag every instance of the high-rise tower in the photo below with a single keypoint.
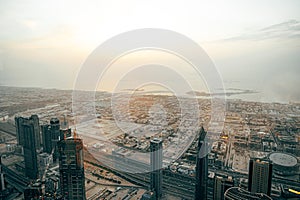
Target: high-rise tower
[
  {"x": 156, "y": 167},
  {"x": 71, "y": 168},
  {"x": 47, "y": 140},
  {"x": 260, "y": 176},
  {"x": 29, "y": 146},
  {"x": 2, "y": 181},
  {"x": 55, "y": 136},
  {"x": 201, "y": 167},
  {"x": 51, "y": 135},
  {"x": 34, "y": 120},
  {"x": 221, "y": 184},
  {"x": 19, "y": 130}
]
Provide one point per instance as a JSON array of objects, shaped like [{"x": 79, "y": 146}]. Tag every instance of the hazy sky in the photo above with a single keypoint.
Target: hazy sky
[{"x": 255, "y": 44}]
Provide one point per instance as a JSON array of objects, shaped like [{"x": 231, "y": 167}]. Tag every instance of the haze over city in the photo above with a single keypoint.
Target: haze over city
[{"x": 254, "y": 44}]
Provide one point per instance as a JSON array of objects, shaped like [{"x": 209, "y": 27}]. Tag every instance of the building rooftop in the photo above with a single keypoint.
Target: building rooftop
[{"x": 283, "y": 159}]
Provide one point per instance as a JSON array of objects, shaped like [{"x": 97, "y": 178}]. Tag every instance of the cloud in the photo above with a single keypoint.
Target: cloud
[{"x": 285, "y": 30}]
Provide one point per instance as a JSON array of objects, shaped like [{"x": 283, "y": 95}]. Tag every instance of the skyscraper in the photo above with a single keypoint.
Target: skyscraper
[
  {"x": 156, "y": 167},
  {"x": 2, "y": 181},
  {"x": 260, "y": 176},
  {"x": 34, "y": 120},
  {"x": 47, "y": 140},
  {"x": 55, "y": 136},
  {"x": 71, "y": 168},
  {"x": 201, "y": 167},
  {"x": 221, "y": 184},
  {"x": 19, "y": 130},
  {"x": 51, "y": 135},
  {"x": 30, "y": 154},
  {"x": 28, "y": 136}
]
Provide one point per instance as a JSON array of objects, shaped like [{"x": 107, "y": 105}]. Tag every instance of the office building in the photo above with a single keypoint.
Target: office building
[
  {"x": 236, "y": 193},
  {"x": 2, "y": 181},
  {"x": 71, "y": 168},
  {"x": 47, "y": 142},
  {"x": 201, "y": 167},
  {"x": 51, "y": 135},
  {"x": 221, "y": 184},
  {"x": 260, "y": 176},
  {"x": 19, "y": 130},
  {"x": 34, "y": 120},
  {"x": 29, "y": 131},
  {"x": 156, "y": 167},
  {"x": 55, "y": 136}
]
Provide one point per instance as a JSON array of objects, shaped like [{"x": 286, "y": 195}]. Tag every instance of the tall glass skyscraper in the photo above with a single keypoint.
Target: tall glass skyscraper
[
  {"x": 28, "y": 136},
  {"x": 156, "y": 167},
  {"x": 71, "y": 168},
  {"x": 201, "y": 168},
  {"x": 34, "y": 121}
]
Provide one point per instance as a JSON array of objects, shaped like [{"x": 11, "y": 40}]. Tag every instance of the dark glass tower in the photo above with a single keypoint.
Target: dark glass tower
[
  {"x": 55, "y": 136},
  {"x": 71, "y": 168},
  {"x": 51, "y": 135},
  {"x": 260, "y": 176},
  {"x": 30, "y": 155},
  {"x": 19, "y": 130},
  {"x": 47, "y": 141},
  {"x": 156, "y": 167},
  {"x": 201, "y": 167},
  {"x": 34, "y": 120}
]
